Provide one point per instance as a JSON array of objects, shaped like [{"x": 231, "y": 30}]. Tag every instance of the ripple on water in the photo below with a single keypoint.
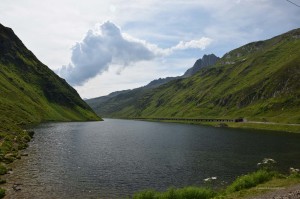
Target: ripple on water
[{"x": 116, "y": 158}]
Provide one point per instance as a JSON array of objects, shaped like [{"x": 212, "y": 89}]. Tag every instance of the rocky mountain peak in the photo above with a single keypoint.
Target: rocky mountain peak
[{"x": 206, "y": 60}]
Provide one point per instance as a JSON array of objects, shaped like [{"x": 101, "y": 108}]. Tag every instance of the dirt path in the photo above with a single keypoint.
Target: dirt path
[{"x": 292, "y": 192}]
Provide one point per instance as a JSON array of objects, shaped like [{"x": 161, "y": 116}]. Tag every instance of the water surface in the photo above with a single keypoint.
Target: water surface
[{"x": 115, "y": 158}]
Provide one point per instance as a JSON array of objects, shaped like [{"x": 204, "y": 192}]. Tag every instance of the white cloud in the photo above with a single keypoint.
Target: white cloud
[
  {"x": 98, "y": 50},
  {"x": 201, "y": 44},
  {"x": 50, "y": 28},
  {"x": 106, "y": 45}
]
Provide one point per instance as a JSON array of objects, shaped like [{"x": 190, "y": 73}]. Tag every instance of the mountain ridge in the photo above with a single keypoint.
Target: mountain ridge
[
  {"x": 258, "y": 80},
  {"x": 30, "y": 79},
  {"x": 98, "y": 102},
  {"x": 31, "y": 93},
  {"x": 206, "y": 60}
]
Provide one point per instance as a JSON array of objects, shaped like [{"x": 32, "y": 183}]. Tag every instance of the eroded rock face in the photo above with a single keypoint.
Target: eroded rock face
[{"x": 207, "y": 60}]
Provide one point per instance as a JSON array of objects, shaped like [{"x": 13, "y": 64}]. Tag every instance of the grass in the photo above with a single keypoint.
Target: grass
[
  {"x": 2, "y": 193},
  {"x": 271, "y": 127},
  {"x": 258, "y": 182},
  {"x": 243, "y": 125},
  {"x": 249, "y": 185},
  {"x": 3, "y": 169},
  {"x": 250, "y": 180},
  {"x": 260, "y": 126},
  {"x": 279, "y": 182},
  {"x": 31, "y": 93},
  {"x": 172, "y": 193}
]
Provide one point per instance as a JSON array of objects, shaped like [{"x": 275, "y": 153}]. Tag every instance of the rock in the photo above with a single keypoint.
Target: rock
[
  {"x": 9, "y": 155},
  {"x": 16, "y": 187}
]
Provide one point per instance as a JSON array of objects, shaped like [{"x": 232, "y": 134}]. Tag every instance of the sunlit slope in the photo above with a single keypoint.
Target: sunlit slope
[
  {"x": 116, "y": 101},
  {"x": 259, "y": 81},
  {"x": 30, "y": 92}
]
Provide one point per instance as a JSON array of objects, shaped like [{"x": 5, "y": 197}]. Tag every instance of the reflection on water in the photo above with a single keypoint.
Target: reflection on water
[{"x": 116, "y": 158}]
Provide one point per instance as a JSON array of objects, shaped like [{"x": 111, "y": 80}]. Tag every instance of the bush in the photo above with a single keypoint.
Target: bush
[
  {"x": 2, "y": 193},
  {"x": 3, "y": 169},
  {"x": 250, "y": 180},
  {"x": 147, "y": 194},
  {"x": 172, "y": 193}
]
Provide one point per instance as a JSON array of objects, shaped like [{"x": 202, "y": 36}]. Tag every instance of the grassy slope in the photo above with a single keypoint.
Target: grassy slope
[
  {"x": 259, "y": 81},
  {"x": 116, "y": 101},
  {"x": 30, "y": 93}
]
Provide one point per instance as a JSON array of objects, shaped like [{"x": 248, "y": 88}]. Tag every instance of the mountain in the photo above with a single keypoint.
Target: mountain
[
  {"x": 31, "y": 93},
  {"x": 259, "y": 81},
  {"x": 207, "y": 60},
  {"x": 115, "y": 101}
]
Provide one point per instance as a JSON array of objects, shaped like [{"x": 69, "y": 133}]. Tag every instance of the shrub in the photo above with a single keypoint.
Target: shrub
[
  {"x": 194, "y": 192},
  {"x": 147, "y": 194},
  {"x": 2, "y": 193},
  {"x": 250, "y": 180},
  {"x": 172, "y": 193},
  {"x": 3, "y": 169}
]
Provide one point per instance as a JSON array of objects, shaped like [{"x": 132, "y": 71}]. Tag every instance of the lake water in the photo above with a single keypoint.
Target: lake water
[{"x": 115, "y": 158}]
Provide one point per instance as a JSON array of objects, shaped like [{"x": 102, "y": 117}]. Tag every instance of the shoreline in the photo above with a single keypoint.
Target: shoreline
[
  {"x": 256, "y": 125},
  {"x": 12, "y": 185},
  {"x": 13, "y": 145}
]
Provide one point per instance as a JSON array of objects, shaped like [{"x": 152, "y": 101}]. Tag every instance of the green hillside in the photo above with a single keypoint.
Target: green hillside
[
  {"x": 31, "y": 93},
  {"x": 116, "y": 101},
  {"x": 258, "y": 81}
]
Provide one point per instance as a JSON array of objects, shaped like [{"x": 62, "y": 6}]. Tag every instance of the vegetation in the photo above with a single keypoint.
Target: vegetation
[
  {"x": 117, "y": 100},
  {"x": 30, "y": 93},
  {"x": 250, "y": 180},
  {"x": 3, "y": 169},
  {"x": 2, "y": 193},
  {"x": 244, "y": 186},
  {"x": 258, "y": 81},
  {"x": 272, "y": 127},
  {"x": 172, "y": 193}
]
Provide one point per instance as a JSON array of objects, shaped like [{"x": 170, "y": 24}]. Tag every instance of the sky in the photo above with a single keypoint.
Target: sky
[{"x": 105, "y": 46}]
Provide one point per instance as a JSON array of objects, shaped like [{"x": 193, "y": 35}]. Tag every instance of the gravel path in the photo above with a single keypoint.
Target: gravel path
[{"x": 292, "y": 192}]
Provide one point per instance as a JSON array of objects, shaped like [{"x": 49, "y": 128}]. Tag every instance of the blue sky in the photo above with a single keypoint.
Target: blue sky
[{"x": 104, "y": 46}]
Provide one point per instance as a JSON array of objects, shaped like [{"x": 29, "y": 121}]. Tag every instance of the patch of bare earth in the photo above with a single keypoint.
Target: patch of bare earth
[{"x": 292, "y": 192}]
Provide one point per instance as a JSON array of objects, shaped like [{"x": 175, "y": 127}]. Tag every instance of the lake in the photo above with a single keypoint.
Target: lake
[{"x": 115, "y": 158}]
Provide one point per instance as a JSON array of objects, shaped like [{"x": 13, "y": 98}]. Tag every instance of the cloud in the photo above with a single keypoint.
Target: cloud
[
  {"x": 201, "y": 44},
  {"x": 98, "y": 50},
  {"x": 106, "y": 45}
]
